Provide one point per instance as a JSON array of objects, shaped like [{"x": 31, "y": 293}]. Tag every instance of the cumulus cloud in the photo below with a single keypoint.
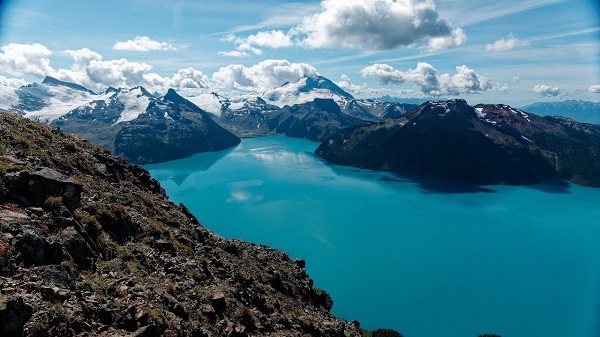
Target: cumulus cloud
[
  {"x": 11, "y": 82},
  {"x": 188, "y": 78},
  {"x": 377, "y": 24},
  {"x": 97, "y": 73},
  {"x": 83, "y": 57},
  {"x": 363, "y": 90},
  {"x": 546, "y": 90},
  {"x": 90, "y": 69},
  {"x": 25, "y": 59},
  {"x": 249, "y": 45},
  {"x": 363, "y": 24},
  {"x": 595, "y": 89},
  {"x": 143, "y": 44},
  {"x": 262, "y": 76},
  {"x": 346, "y": 83},
  {"x": 508, "y": 43},
  {"x": 464, "y": 81}
]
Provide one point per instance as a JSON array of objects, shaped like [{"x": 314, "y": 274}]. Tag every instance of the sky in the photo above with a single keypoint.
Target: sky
[{"x": 487, "y": 51}]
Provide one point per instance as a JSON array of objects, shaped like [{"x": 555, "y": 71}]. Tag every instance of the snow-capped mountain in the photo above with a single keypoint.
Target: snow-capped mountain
[
  {"x": 144, "y": 129},
  {"x": 46, "y": 101},
  {"x": 211, "y": 102},
  {"x": 305, "y": 90}
]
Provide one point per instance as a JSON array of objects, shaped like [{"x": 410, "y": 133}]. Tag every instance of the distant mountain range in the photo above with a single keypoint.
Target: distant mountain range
[
  {"x": 147, "y": 128},
  {"x": 582, "y": 111},
  {"x": 135, "y": 124},
  {"x": 144, "y": 129},
  {"x": 485, "y": 144}
]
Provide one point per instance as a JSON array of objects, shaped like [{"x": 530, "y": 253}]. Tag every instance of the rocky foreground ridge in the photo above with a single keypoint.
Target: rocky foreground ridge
[{"x": 91, "y": 245}]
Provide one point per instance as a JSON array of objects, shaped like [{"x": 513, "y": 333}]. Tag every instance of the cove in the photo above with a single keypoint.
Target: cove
[{"x": 425, "y": 258}]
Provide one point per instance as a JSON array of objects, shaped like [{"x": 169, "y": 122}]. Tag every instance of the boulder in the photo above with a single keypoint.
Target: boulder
[
  {"x": 34, "y": 188},
  {"x": 218, "y": 302}
]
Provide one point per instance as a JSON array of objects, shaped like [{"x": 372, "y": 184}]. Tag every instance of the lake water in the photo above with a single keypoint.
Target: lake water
[{"x": 424, "y": 258}]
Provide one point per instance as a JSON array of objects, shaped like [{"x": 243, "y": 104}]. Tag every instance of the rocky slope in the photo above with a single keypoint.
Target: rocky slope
[
  {"x": 91, "y": 246},
  {"x": 485, "y": 144},
  {"x": 144, "y": 129}
]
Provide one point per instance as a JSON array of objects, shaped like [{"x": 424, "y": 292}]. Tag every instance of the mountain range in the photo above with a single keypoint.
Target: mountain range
[
  {"x": 482, "y": 145},
  {"x": 581, "y": 111},
  {"x": 146, "y": 128}
]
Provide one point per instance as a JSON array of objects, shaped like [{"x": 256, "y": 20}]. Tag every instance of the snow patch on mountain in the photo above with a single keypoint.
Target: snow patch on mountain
[
  {"x": 135, "y": 103},
  {"x": 305, "y": 90},
  {"x": 211, "y": 102},
  {"x": 52, "y": 101}
]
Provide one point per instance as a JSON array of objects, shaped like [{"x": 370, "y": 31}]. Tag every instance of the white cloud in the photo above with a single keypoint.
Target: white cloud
[
  {"x": 363, "y": 24},
  {"x": 143, "y": 44},
  {"x": 11, "y": 82},
  {"x": 456, "y": 38},
  {"x": 346, "y": 83},
  {"x": 25, "y": 59},
  {"x": 83, "y": 57},
  {"x": 263, "y": 76},
  {"x": 188, "y": 78},
  {"x": 546, "y": 90},
  {"x": 91, "y": 70},
  {"x": 377, "y": 24},
  {"x": 508, "y": 43},
  {"x": 233, "y": 53},
  {"x": 247, "y": 46},
  {"x": 363, "y": 90},
  {"x": 595, "y": 89},
  {"x": 273, "y": 39},
  {"x": 464, "y": 81}
]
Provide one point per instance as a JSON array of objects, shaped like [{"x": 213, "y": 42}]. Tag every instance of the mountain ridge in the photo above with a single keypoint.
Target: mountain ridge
[{"x": 482, "y": 145}]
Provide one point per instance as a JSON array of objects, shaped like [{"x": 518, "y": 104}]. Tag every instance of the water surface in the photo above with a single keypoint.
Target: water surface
[{"x": 425, "y": 258}]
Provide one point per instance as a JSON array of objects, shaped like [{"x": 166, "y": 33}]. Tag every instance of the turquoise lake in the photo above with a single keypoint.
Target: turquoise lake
[{"x": 424, "y": 258}]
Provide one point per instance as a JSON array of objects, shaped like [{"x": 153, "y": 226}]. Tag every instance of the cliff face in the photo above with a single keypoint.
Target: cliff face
[{"x": 91, "y": 245}]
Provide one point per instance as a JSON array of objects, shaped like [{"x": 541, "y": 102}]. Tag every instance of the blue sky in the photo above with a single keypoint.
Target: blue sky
[{"x": 517, "y": 51}]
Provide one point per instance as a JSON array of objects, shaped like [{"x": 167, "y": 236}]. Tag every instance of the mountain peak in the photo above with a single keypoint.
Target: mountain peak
[
  {"x": 319, "y": 82},
  {"x": 173, "y": 96},
  {"x": 49, "y": 80}
]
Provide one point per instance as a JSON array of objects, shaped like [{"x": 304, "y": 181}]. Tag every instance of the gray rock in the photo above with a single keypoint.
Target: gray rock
[
  {"x": 33, "y": 189},
  {"x": 77, "y": 247},
  {"x": 55, "y": 275}
]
